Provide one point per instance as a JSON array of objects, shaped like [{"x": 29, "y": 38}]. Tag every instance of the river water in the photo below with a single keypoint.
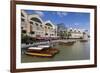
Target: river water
[{"x": 77, "y": 51}]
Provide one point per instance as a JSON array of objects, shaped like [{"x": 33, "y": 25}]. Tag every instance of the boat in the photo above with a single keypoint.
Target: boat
[
  {"x": 67, "y": 43},
  {"x": 38, "y": 54},
  {"x": 41, "y": 51},
  {"x": 44, "y": 46},
  {"x": 83, "y": 40}
]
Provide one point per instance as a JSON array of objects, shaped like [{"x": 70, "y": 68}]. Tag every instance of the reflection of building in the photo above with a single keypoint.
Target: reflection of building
[{"x": 34, "y": 26}]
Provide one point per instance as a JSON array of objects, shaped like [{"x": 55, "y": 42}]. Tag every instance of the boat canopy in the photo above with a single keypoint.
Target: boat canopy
[
  {"x": 35, "y": 48},
  {"x": 44, "y": 46}
]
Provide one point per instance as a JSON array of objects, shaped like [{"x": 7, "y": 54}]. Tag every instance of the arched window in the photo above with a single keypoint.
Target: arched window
[
  {"x": 48, "y": 24},
  {"x": 31, "y": 22},
  {"x": 36, "y": 19}
]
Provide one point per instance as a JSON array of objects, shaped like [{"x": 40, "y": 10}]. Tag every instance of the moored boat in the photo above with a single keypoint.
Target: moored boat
[
  {"x": 42, "y": 51},
  {"x": 83, "y": 40},
  {"x": 67, "y": 43}
]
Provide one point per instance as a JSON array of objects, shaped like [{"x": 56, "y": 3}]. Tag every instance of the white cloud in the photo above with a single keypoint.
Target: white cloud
[
  {"x": 76, "y": 24},
  {"x": 61, "y": 14},
  {"x": 40, "y": 13}
]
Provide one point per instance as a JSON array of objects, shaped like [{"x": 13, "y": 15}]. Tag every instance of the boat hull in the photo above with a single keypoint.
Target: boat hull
[
  {"x": 83, "y": 40},
  {"x": 43, "y": 53},
  {"x": 66, "y": 43}
]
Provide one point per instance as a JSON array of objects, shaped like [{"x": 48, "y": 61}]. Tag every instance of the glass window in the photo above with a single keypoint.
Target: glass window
[
  {"x": 31, "y": 22},
  {"x": 32, "y": 32},
  {"x": 22, "y": 19},
  {"x": 36, "y": 24},
  {"x": 36, "y": 19},
  {"x": 40, "y": 25}
]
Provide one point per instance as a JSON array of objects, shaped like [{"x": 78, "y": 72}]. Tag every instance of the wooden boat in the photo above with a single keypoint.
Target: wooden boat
[
  {"x": 38, "y": 54},
  {"x": 83, "y": 40},
  {"x": 44, "y": 46},
  {"x": 42, "y": 51},
  {"x": 67, "y": 43}
]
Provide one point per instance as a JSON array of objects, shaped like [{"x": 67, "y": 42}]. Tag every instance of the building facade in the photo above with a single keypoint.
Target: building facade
[
  {"x": 35, "y": 27},
  {"x": 77, "y": 33}
]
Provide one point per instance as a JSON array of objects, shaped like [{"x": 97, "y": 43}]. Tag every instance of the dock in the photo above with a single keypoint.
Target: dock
[{"x": 45, "y": 42}]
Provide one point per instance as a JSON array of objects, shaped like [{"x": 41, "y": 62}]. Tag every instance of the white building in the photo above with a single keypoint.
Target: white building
[
  {"x": 77, "y": 33},
  {"x": 37, "y": 26},
  {"x": 50, "y": 29},
  {"x": 24, "y": 23},
  {"x": 34, "y": 26}
]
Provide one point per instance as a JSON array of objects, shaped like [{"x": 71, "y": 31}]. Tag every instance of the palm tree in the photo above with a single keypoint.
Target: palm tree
[
  {"x": 69, "y": 34},
  {"x": 62, "y": 30}
]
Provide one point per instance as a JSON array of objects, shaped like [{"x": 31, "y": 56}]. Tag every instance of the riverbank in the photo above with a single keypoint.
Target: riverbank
[
  {"x": 48, "y": 42},
  {"x": 77, "y": 51}
]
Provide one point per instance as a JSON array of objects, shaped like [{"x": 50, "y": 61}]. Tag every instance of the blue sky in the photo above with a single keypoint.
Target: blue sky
[{"x": 70, "y": 19}]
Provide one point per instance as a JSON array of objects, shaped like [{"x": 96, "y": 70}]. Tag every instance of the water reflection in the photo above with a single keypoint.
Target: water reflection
[{"x": 77, "y": 51}]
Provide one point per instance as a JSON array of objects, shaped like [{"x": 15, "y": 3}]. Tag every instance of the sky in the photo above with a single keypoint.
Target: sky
[{"x": 78, "y": 20}]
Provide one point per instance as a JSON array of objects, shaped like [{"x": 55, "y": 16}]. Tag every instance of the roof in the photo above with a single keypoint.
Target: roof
[
  {"x": 44, "y": 46},
  {"x": 35, "y": 48}
]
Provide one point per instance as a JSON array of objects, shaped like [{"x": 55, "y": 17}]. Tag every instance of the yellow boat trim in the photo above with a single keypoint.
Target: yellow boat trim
[{"x": 37, "y": 54}]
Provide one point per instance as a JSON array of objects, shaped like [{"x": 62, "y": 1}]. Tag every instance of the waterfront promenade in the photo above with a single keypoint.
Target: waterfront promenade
[
  {"x": 48, "y": 42},
  {"x": 77, "y": 51}
]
